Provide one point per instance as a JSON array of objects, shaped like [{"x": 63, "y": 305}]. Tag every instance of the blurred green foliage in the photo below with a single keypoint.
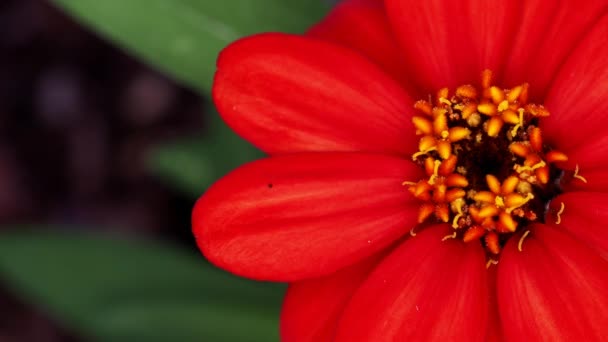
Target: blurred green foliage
[
  {"x": 116, "y": 290},
  {"x": 192, "y": 164},
  {"x": 183, "y": 38}
]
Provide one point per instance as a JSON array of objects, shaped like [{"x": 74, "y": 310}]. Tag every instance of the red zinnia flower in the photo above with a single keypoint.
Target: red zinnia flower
[{"x": 356, "y": 163}]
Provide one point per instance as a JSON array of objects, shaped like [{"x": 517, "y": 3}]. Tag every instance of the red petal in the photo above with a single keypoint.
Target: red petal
[
  {"x": 448, "y": 43},
  {"x": 425, "y": 290},
  {"x": 363, "y": 26},
  {"x": 555, "y": 290},
  {"x": 585, "y": 216},
  {"x": 494, "y": 330},
  {"x": 312, "y": 307},
  {"x": 548, "y": 33},
  {"x": 591, "y": 155},
  {"x": 300, "y": 216},
  {"x": 287, "y": 93},
  {"x": 597, "y": 180},
  {"x": 577, "y": 100}
]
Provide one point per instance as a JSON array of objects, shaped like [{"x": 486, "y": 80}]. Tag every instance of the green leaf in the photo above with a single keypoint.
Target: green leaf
[
  {"x": 192, "y": 164},
  {"x": 183, "y": 37},
  {"x": 113, "y": 290}
]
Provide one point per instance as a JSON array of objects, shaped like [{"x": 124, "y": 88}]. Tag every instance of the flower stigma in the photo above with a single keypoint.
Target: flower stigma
[{"x": 488, "y": 172}]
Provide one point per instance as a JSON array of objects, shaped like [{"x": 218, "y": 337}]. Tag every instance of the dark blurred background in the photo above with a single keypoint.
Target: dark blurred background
[{"x": 78, "y": 119}]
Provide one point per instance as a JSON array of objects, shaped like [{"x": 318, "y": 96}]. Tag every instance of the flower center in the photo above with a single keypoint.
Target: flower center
[{"x": 488, "y": 172}]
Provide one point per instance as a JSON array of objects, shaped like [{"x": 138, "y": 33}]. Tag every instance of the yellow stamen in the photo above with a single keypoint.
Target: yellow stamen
[
  {"x": 443, "y": 213},
  {"x": 514, "y": 93},
  {"x": 543, "y": 174},
  {"x": 458, "y": 133},
  {"x": 507, "y": 222},
  {"x": 448, "y": 165},
  {"x": 473, "y": 120},
  {"x": 559, "y": 213},
  {"x": 521, "y": 241},
  {"x": 497, "y": 94},
  {"x": 458, "y": 205},
  {"x": 556, "y": 156},
  {"x": 488, "y": 211},
  {"x": 454, "y": 194},
  {"x": 524, "y": 187},
  {"x": 494, "y": 126},
  {"x": 487, "y": 108},
  {"x": 435, "y": 174},
  {"x": 427, "y": 142},
  {"x": 466, "y": 91},
  {"x": 492, "y": 242},
  {"x": 461, "y": 131},
  {"x": 426, "y": 210},
  {"x": 457, "y": 180},
  {"x": 445, "y": 101},
  {"x": 493, "y": 183},
  {"x": 444, "y": 149},
  {"x": 579, "y": 177},
  {"x": 447, "y": 237},
  {"x": 522, "y": 168},
  {"x": 424, "y": 107},
  {"x": 423, "y": 126},
  {"x": 484, "y": 196},
  {"x": 503, "y": 106},
  {"x": 509, "y": 185},
  {"x": 441, "y": 122},
  {"x": 499, "y": 201},
  {"x": 519, "y": 149},
  {"x": 519, "y": 124},
  {"x": 520, "y": 203},
  {"x": 468, "y": 110},
  {"x": 442, "y": 93},
  {"x": 509, "y": 116},
  {"x": 421, "y": 153},
  {"x": 491, "y": 262}
]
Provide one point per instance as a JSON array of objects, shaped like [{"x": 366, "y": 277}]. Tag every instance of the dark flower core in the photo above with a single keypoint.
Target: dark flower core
[{"x": 489, "y": 174}]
